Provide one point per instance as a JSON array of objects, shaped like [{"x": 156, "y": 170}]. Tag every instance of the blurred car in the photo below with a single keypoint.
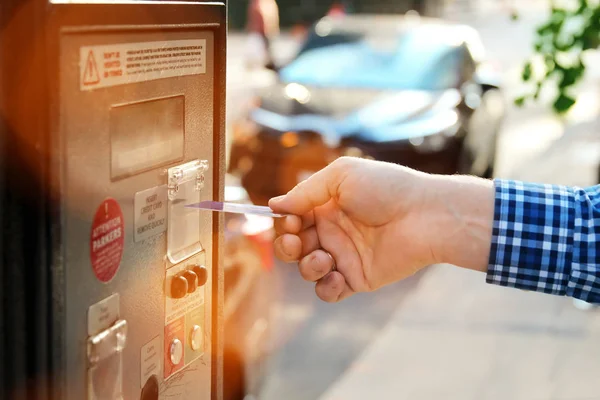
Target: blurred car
[
  {"x": 251, "y": 295},
  {"x": 407, "y": 90}
]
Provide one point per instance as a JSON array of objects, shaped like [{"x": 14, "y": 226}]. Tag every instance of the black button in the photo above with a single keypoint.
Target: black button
[
  {"x": 179, "y": 287},
  {"x": 150, "y": 390},
  {"x": 202, "y": 274},
  {"x": 192, "y": 280}
]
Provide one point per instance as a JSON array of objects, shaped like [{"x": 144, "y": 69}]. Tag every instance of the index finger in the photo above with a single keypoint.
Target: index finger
[{"x": 311, "y": 193}]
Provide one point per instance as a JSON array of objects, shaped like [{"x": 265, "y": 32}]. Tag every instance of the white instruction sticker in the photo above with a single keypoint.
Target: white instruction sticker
[
  {"x": 150, "y": 357},
  {"x": 150, "y": 207},
  {"x": 121, "y": 64},
  {"x": 103, "y": 314}
]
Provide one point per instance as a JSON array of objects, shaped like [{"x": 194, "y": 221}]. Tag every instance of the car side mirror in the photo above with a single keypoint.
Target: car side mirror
[
  {"x": 487, "y": 77},
  {"x": 472, "y": 93}
]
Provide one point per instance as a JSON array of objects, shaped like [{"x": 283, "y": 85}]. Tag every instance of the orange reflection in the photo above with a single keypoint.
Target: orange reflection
[{"x": 289, "y": 139}]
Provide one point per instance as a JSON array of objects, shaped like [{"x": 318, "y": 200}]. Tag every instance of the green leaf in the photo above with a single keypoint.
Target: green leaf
[
  {"x": 558, "y": 13},
  {"x": 590, "y": 39},
  {"x": 563, "y": 103},
  {"x": 563, "y": 44},
  {"x": 538, "y": 90},
  {"x": 520, "y": 101},
  {"x": 557, "y": 19},
  {"x": 570, "y": 76},
  {"x": 550, "y": 65},
  {"x": 526, "y": 75},
  {"x": 583, "y": 6},
  {"x": 552, "y": 42},
  {"x": 545, "y": 29},
  {"x": 514, "y": 15}
]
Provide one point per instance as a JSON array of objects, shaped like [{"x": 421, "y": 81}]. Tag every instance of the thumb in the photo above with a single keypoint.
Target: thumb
[{"x": 313, "y": 192}]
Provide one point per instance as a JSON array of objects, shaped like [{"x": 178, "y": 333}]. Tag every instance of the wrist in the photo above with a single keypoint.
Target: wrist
[{"x": 461, "y": 209}]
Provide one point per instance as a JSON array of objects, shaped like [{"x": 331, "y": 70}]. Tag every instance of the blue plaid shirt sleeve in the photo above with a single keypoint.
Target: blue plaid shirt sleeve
[{"x": 546, "y": 239}]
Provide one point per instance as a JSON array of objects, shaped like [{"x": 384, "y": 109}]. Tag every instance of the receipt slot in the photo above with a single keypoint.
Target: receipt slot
[{"x": 112, "y": 121}]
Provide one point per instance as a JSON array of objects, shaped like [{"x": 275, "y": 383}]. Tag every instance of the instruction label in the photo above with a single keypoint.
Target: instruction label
[
  {"x": 150, "y": 213},
  {"x": 121, "y": 64},
  {"x": 150, "y": 360},
  {"x": 103, "y": 314}
]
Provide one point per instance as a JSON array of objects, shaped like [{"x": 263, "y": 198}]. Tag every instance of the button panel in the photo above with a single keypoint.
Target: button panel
[
  {"x": 187, "y": 281},
  {"x": 185, "y": 286}
]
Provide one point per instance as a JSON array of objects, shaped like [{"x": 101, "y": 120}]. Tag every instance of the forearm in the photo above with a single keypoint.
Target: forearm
[
  {"x": 463, "y": 216},
  {"x": 534, "y": 237}
]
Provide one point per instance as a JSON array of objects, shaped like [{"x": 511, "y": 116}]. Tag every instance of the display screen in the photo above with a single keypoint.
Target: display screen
[{"x": 146, "y": 135}]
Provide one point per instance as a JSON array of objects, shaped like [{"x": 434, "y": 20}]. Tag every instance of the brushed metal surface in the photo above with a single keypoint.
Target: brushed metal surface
[{"x": 84, "y": 122}]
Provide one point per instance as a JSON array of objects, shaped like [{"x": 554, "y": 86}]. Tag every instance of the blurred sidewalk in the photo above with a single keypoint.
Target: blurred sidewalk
[{"x": 458, "y": 338}]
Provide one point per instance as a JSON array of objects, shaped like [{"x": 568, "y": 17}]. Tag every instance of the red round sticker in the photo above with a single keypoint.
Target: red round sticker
[{"x": 107, "y": 240}]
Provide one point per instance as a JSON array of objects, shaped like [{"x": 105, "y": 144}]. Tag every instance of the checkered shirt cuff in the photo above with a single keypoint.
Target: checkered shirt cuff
[{"x": 545, "y": 239}]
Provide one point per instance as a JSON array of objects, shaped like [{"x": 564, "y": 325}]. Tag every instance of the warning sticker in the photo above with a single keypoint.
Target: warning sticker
[
  {"x": 150, "y": 213},
  {"x": 121, "y": 64},
  {"x": 107, "y": 240}
]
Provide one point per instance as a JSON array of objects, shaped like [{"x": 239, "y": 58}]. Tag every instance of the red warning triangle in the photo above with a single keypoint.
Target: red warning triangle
[{"x": 90, "y": 74}]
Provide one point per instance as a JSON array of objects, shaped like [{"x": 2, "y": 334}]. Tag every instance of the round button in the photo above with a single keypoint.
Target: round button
[
  {"x": 179, "y": 287},
  {"x": 196, "y": 338},
  {"x": 176, "y": 351},
  {"x": 150, "y": 390},
  {"x": 192, "y": 280},
  {"x": 202, "y": 274}
]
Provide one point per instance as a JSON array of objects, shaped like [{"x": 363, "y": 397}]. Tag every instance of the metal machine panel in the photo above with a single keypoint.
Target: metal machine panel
[
  {"x": 125, "y": 106},
  {"x": 93, "y": 138}
]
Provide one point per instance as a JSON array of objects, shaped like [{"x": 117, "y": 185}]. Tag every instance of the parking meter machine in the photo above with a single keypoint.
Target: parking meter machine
[{"x": 112, "y": 121}]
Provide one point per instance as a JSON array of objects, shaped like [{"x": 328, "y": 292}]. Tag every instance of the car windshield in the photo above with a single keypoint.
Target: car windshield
[{"x": 416, "y": 60}]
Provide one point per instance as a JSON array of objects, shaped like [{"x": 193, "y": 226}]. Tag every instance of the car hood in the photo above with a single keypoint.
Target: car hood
[
  {"x": 294, "y": 99},
  {"x": 341, "y": 112}
]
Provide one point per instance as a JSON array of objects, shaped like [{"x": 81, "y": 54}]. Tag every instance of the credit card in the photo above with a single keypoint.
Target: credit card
[{"x": 235, "y": 208}]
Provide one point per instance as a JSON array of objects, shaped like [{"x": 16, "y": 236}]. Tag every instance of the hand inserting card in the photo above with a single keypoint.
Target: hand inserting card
[{"x": 235, "y": 208}]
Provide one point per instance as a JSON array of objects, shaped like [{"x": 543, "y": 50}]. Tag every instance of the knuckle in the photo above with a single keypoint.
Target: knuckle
[
  {"x": 343, "y": 162},
  {"x": 299, "y": 186}
]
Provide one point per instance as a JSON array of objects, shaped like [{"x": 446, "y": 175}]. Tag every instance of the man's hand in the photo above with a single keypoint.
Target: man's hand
[{"x": 380, "y": 223}]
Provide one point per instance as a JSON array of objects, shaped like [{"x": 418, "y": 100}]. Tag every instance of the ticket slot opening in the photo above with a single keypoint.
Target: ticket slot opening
[{"x": 185, "y": 185}]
